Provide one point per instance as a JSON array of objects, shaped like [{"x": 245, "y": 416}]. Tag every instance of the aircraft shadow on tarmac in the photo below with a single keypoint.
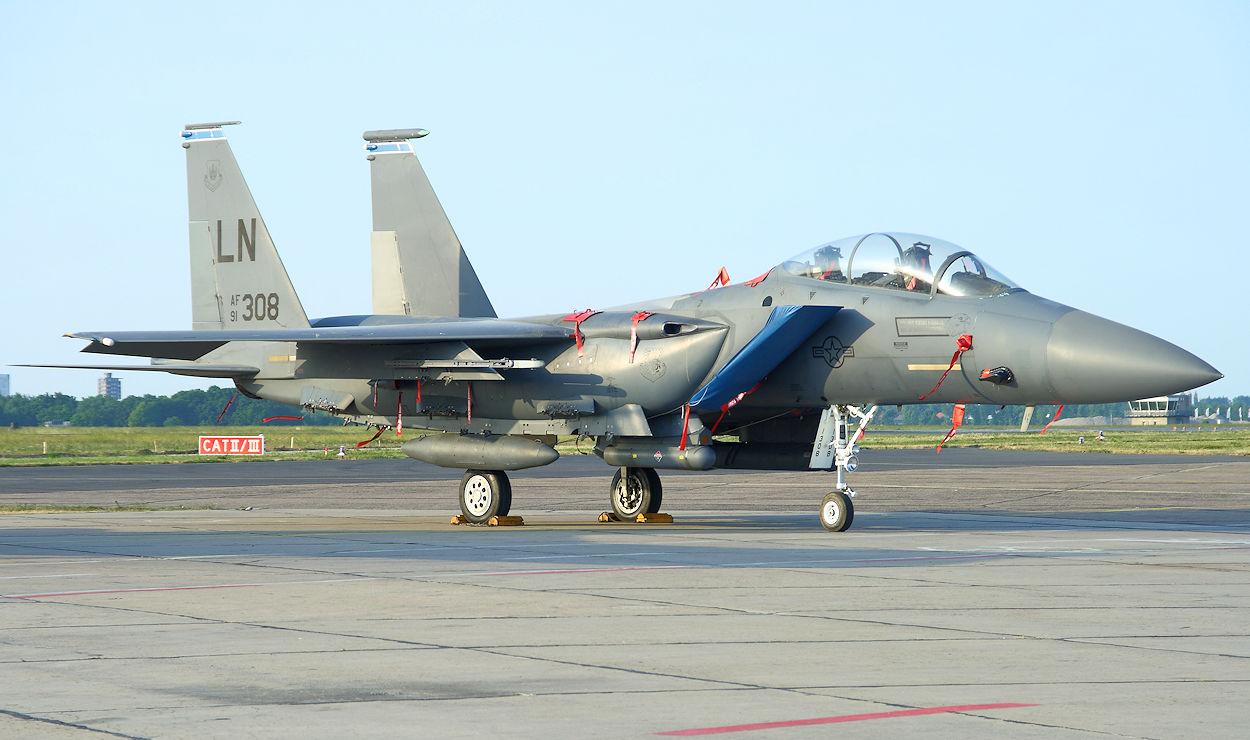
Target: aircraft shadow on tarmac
[
  {"x": 481, "y": 558},
  {"x": 698, "y": 543}
]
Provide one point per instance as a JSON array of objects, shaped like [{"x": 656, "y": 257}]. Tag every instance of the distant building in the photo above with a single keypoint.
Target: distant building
[
  {"x": 110, "y": 386},
  {"x": 4, "y": 385},
  {"x": 1161, "y": 410}
]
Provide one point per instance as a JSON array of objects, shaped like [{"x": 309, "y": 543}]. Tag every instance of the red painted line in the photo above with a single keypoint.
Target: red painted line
[
  {"x": 843, "y": 718},
  {"x": 129, "y": 591}
]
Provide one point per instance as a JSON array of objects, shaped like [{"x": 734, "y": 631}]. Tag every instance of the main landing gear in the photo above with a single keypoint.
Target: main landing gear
[
  {"x": 635, "y": 491},
  {"x": 484, "y": 494},
  {"x": 488, "y": 493},
  {"x": 836, "y": 446}
]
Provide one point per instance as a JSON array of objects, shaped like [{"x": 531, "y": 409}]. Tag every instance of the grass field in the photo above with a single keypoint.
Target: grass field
[
  {"x": 95, "y": 445},
  {"x": 130, "y": 445},
  {"x": 1194, "y": 441}
]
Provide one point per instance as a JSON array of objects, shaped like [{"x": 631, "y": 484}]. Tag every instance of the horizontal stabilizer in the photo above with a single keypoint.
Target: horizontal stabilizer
[
  {"x": 189, "y": 345},
  {"x": 785, "y": 330},
  {"x": 199, "y": 371}
]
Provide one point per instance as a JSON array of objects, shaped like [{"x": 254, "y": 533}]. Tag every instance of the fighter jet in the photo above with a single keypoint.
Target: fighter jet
[{"x": 784, "y": 371}]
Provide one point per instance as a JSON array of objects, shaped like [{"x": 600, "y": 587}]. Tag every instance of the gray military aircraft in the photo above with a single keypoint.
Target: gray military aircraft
[{"x": 793, "y": 364}]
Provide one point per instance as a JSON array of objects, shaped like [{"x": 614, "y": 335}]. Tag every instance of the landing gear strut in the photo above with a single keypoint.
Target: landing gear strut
[
  {"x": 484, "y": 494},
  {"x": 636, "y": 491},
  {"x": 836, "y": 446}
]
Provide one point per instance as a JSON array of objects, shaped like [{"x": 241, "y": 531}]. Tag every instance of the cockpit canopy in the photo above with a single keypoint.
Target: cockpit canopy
[{"x": 906, "y": 262}]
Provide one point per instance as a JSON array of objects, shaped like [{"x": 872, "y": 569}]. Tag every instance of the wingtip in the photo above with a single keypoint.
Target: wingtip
[{"x": 106, "y": 341}]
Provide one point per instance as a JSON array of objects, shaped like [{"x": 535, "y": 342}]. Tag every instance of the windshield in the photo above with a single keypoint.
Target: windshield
[{"x": 908, "y": 262}]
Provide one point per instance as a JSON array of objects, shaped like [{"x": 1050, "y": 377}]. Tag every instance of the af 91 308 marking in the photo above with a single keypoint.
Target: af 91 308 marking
[{"x": 255, "y": 307}]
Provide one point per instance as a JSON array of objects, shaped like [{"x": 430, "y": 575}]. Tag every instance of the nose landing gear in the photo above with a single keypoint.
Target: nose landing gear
[{"x": 835, "y": 447}]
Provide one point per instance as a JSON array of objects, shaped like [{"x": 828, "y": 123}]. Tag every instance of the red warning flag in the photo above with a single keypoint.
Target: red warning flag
[
  {"x": 633, "y": 332},
  {"x": 367, "y": 441},
  {"x": 963, "y": 344},
  {"x": 227, "y": 408},
  {"x": 957, "y": 419},
  {"x": 577, "y": 319},
  {"x": 1058, "y": 411},
  {"x": 731, "y": 403},
  {"x": 685, "y": 426},
  {"x": 756, "y": 281}
]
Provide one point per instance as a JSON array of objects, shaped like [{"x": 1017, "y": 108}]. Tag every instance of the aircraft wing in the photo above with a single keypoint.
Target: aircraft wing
[
  {"x": 190, "y": 345},
  {"x": 177, "y": 368}
]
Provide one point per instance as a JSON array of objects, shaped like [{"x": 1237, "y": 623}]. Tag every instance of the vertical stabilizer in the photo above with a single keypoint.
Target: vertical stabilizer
[
  {"x": 237, "y": 278},
  {"x": 419, "y": 267}
]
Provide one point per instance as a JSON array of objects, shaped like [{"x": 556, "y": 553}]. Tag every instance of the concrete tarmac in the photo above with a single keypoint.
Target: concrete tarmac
[{"x": 991, "y": 596}]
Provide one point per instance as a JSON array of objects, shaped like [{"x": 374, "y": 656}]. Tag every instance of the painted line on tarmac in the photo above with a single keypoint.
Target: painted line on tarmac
[
  {"x": 944, "y": 557},
  {"x": 583, "y": 570},
  {"x": 227, "y": 555},
  {"x": 58, "y": 575},
  {"x": 595, "y": 555},
  {"x": 176, "y": 588},
  {"x": 923, "y": 558},
  {"x": 843, "y": 718},
  {"x": 28, "y": 563}
]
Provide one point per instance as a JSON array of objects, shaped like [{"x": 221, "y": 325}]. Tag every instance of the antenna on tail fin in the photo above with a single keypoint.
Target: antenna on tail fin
[
  {"x": 237, "y": 278},
  {"x": 419, "y": 266}
]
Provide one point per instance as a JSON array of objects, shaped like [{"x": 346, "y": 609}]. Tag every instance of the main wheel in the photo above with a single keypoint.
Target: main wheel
[
  {"x": 633, "y": 490},
  {"x": 837, "y": 512},
  {"x": 483, "y": 494}
]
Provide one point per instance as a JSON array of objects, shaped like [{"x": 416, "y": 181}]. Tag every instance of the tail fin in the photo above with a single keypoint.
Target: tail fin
[
  {"x": 237, "y": 277},
  {"x": 419, "y": 267}
]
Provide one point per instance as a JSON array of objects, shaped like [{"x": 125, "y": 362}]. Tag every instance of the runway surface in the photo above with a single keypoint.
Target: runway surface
[
  {"x": 1071, "y": 596},
  {"x": 60, "y": 479}
]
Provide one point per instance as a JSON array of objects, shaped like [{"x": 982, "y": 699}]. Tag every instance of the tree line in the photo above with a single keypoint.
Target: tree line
[
  {"x": 924, "y": 414},
  {"x": 203, "y": 407},
  {"x": 184, "y": 408}
]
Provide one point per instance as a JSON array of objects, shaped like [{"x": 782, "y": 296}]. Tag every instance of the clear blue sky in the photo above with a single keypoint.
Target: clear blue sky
[{"x": 590, "y": 154}]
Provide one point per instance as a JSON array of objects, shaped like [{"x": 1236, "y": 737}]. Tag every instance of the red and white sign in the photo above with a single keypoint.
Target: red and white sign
[{"x": 232, "y": 445}]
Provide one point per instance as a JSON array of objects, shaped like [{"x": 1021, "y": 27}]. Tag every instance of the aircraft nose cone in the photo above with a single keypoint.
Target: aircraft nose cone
[{"x": 1093, "y": 360}]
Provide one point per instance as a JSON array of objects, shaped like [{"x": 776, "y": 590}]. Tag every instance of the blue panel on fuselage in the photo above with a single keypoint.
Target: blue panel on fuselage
[{"x": 785, "y": 330}]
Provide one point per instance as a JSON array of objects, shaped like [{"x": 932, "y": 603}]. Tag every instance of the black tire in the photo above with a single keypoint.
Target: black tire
[
  {"x": 631, "y": 493},
  {"x": 657, "y": 490},
  {"x": 483, "y": 494},
  {"x": 837, "y": 512},
  {"x": 505, "y": 493}
]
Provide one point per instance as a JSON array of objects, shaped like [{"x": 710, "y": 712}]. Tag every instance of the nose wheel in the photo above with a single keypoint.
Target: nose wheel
[{"x": 837, "y": 512}]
